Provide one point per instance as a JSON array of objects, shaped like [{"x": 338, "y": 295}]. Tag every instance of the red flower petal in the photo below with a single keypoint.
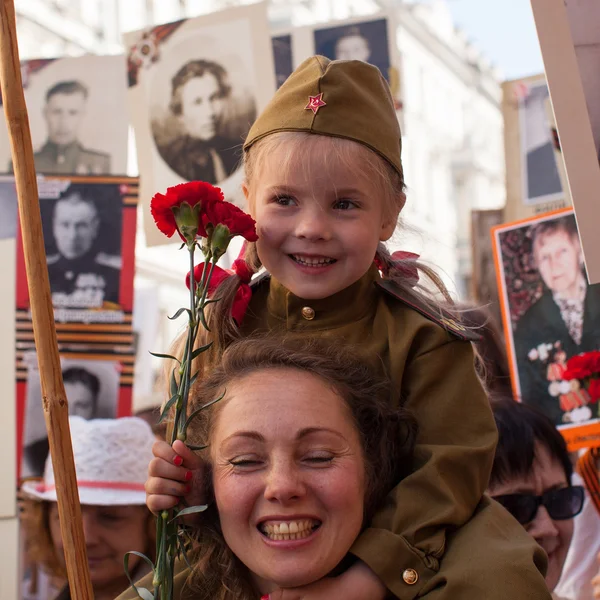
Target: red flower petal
[{"x": 236, "y": 220}]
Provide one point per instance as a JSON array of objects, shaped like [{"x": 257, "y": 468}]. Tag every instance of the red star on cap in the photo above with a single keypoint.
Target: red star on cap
[{"x": 315, "y": 102}]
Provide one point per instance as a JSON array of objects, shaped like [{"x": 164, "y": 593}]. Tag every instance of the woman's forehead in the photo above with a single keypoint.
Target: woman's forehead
[{"x": 281, "y": 399}]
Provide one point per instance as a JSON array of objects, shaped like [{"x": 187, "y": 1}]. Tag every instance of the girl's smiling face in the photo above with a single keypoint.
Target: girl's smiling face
[
  {"x": 288, "y": 475},
  {"x": 319, "y": 221}
]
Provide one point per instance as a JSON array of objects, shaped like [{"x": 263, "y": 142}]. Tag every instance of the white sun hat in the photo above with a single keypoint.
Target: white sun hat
[{"x": 111, "y": 462}]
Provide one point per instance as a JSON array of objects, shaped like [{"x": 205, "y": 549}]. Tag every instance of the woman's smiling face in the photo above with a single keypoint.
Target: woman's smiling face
[{"x": 288, "y": 475}]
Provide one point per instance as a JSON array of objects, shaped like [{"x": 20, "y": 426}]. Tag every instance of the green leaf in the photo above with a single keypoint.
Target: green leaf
[
  {"x": 183, "y": 553},
  {"x": 202, "y": 318},
  {"x": 194, "y": 377},
  {"x": 199, "y": 410},
  {"x": 141, "y": 592},
  {"x": 180, "y": 312},
  {"x": 173, "y": 386},
  {"x": 207, "y": 302},
  {"x": 198, "y": 351},
  {"x": 158, "y": 355},
  {"x": 190, "y": 510},
  {"x": 168, "y": 405}
]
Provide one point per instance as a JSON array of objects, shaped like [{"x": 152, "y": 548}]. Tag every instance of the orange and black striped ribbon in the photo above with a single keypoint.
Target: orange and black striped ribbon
[{"x": 587, "y": 467}]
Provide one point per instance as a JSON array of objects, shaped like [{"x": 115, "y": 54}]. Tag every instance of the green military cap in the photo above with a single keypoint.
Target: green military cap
[{"x": 341, "y": 98}]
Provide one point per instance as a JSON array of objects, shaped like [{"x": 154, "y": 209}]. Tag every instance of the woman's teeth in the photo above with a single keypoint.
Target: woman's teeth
[
  {"x": 292, "y": 530},
  {"x": 312, "y": 262}
]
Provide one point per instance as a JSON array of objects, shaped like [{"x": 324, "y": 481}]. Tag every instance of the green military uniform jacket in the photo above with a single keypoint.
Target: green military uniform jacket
[
  {"x": 428, "y": 516},
  {"x": 72, "y": 159}
]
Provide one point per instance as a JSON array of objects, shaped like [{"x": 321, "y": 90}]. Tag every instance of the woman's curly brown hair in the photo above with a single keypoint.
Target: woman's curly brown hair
[{"x": 387, "y": 436}]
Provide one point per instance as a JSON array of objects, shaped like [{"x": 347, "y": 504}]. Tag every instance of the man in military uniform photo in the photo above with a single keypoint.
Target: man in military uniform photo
[
  {"x": 565, "y": 320},
  {"x": 80, "y": 275},
  {"x": 62, "y": 153},
  {"x": 198, "y": 98}
]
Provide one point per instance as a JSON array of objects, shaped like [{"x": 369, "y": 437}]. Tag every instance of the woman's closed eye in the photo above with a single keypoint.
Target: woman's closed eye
[
  {"x": 318, "y": 458},
  {"x": 244, "y": 462}
]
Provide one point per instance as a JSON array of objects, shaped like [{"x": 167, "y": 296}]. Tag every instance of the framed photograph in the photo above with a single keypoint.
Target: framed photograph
[
  {"x": 89, "y": 237},
  {"x": 8, "y": 209},
  {"x": 541, "y": 179},
  {"x": 535, "y": 174},
  {"x": 282, "y": 57},
  {"x": 193, "y": 97},
  {"x": 550, "y": 314},
  {"x": 570, "y": 42},
  {"x": 367, "y": 41},
  {"x": 77, "y": 128},
  {"x": 92, "y": 388},
  {"x": 89, "y": 228}
]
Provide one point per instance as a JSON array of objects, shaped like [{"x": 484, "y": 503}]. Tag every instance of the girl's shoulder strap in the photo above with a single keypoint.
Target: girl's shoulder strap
[
  {"x": 443, "y": 318},
  {"x": 259, "y": 279}
]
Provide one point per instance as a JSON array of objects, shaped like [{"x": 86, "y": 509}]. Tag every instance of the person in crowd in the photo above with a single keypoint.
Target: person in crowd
[
  {"x": 568, "y": 311},
  {"x": 82, "y": 389},
  {"x": 324, "y": 182},
  {"x": 581, "y": 566},
  {"x": 111, "y": 463},
  {"x": 81, "y": 275},
  {"x": 200, "y": 91},
  {"x": 531, "y": 478},
  {"x": 63, "y": 153}
]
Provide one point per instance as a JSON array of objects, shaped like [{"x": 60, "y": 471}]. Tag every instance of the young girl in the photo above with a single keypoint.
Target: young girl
[{"x": 324, "y": 182}]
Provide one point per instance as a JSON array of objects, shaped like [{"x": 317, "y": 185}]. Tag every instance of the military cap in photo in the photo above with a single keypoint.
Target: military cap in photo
[{"x": 340, "y": 98}]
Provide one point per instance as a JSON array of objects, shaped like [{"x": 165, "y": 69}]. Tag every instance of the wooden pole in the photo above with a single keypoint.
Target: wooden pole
[{"x": 54, "y": 399}]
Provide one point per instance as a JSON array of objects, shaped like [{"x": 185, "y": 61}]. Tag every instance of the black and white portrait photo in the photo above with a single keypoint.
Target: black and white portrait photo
[
  {"x": 193, "y": 96},
  {"x": 541, "y": 179},
  {"x": 199, "y": 137},
  {"x": 8, "y": 208},
  {"x": 92, "y": 391},
  {"x": 77, "y": 128},
  {"x": 82, "y": 236},
  {"x": 366, "y": 41},
  {"x": 282, "y": 55},
  {"x": 552, "y": 311}
]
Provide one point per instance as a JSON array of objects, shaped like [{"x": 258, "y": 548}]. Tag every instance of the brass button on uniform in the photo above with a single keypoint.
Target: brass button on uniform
[
  {"x": 308, "y": 313},
  {"x": 410, "y": 576}
]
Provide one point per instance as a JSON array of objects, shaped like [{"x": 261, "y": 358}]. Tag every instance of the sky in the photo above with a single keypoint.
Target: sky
[{"x": 504, "y": 31}]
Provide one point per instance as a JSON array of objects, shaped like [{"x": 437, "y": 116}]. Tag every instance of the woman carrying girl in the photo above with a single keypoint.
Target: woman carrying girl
[{"x": 325, "y": 183}]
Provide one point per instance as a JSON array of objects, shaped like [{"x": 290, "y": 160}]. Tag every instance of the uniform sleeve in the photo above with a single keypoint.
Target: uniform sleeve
[
  {"x": 490, "y": 558},
  {"x": 453, "y": 458}
]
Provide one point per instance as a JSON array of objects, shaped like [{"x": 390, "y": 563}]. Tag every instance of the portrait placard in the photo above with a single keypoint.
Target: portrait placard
[
  {"x": 89, "y": 226},
  {"x": 550, "y": 314},
  {"x": 77, "y": 128},
  {"x": 282, "y": 57},
  {"x": 193, "y": 97},
  {"x": 362, "y": 40},
  {"x": 92, "y": 388},
  {"x": 569, "y": 35},
  {"x": 534, "y": 167}
]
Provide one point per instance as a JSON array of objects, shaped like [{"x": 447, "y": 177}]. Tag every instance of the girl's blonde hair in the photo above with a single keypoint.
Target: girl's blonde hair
[{"x": 292, "y": 150}]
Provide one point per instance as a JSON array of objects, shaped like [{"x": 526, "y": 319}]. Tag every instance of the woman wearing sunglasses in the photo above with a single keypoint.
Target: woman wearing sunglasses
[{"x": 531, "y": 478}]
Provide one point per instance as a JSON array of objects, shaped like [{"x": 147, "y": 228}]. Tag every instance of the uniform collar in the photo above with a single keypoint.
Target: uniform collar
[
  {"x": 342, "y": 308},
  {"x": 62, "y": 150}
]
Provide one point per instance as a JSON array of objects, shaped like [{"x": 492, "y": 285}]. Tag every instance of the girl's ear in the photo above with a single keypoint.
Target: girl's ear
[
  {"x": 249, "y": 203},
  {"x": 388, "y": 226}
]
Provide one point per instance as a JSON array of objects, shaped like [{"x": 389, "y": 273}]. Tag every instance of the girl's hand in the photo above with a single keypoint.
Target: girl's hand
[
  {"x": 174, "y": 473},
  {"x": 357, "y": 583}
]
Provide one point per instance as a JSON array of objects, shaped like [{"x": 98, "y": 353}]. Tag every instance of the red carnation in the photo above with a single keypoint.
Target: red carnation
[
  {"x": 594, "y": 390},
  {"x": 582, "y": 366},
  {"x": 235, "y": 219},
  {"x": 191, "y": 193}
]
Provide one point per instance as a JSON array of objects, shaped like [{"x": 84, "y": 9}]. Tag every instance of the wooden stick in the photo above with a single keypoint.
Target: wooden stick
[{"x": 54, "y": 399}]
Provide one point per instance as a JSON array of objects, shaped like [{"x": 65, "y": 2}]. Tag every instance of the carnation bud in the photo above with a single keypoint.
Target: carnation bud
[
  {"x": 219, "y": 241},
  {"x": 188, "y": 220}
]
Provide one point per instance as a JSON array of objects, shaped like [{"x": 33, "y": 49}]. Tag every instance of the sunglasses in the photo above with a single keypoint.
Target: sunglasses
[{"x": 561, "y": 504}]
